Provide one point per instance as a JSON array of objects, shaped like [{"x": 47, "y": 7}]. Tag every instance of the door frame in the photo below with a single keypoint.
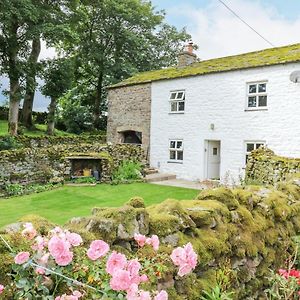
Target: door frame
[{"x": 206, "y": 160}]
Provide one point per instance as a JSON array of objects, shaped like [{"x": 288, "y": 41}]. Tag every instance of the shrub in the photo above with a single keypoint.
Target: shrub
[
  {"x": 128, "y": 171},
  {"x": 9, "y": 143}
]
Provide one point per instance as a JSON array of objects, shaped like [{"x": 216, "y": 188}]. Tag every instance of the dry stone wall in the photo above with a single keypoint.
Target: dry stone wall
[
  {"x": 264, "y": 167},
  {"x": 52, "y": 164}
]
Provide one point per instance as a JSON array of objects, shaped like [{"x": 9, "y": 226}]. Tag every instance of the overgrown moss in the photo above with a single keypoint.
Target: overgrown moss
[{"x": 266, "y": 57}]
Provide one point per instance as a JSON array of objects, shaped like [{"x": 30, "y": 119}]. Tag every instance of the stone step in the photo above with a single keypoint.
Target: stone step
[
  {"x": 149, "y": 171},
  {"x": 159, "y": 177}
]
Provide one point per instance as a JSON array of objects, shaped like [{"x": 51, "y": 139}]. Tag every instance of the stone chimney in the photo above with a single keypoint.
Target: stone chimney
[{"x": 187, "y": 57}]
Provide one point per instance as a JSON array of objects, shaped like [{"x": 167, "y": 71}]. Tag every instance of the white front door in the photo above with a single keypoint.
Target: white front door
[{"x": 213, "y": 160}]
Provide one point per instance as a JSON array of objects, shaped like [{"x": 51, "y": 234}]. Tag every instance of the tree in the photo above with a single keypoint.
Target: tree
[
  {"x": 21, "y": 27},
  {"x": 115, "y": 39},
  {"x": 58, "y": 77}
]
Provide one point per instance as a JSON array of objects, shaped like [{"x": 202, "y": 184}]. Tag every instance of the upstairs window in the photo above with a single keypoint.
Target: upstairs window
[
  {"x": 250, "y": 146},
  {"x": 177, "y": 101},
  {"x": 176, "y": 150},
  {"x": 257, "y": 95}
]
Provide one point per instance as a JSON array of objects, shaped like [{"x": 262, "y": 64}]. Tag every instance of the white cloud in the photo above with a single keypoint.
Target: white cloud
[{"x": 219, "y": 33}]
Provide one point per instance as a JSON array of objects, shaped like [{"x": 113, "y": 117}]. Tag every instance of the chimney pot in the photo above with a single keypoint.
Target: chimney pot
[{"x": 187, "y": 57}]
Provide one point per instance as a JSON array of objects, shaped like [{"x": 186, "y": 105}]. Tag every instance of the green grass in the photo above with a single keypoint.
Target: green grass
[
  {"x": 62, "y": 204},
  {"x": 39, "y": 130}
]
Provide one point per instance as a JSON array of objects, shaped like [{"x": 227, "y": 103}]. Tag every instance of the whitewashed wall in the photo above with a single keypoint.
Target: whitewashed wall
[{"x": 220, "y": 99}]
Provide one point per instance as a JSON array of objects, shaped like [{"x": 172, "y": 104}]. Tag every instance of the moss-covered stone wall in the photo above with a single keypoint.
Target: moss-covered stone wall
[
  {"x": 246, "y": 230},
  {"x": 53, "y": 164},
  {"x": 264, "y": 167},
  {"x": 46, "y": 141}
]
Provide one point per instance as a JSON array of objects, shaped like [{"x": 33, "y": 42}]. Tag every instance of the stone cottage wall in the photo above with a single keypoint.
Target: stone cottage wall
[
  {"x": 51, "y": 164},
  {"x": 129, "y": 108},
  {"x": 267, "y": 168}
]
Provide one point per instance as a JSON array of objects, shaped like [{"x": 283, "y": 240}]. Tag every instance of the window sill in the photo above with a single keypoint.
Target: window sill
[
  {"x": 256, "y": 109},
  {"x": 176, "y": 113},
  {"x": 175, "y": 162}
]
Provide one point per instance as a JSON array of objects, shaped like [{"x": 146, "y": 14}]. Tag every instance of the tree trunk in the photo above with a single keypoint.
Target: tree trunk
[
  {"x": 98, "y": 98},
  {"x": 14, "y": 103},
  {"x": 51, "y": 117},
  {"x": 26, "y": 116},
  {"x": 14, "y": 84}
]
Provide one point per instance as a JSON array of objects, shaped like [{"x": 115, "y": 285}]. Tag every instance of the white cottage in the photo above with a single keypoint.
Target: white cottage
[{"x": 201, "y": 119}]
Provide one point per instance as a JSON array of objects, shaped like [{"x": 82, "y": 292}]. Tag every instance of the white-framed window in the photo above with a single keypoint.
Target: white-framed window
[
  {"x": 257, "y": 97},
  {"x": 176, "y": 150},
  {"x": 177, "y": 101},
  {"x": 252, "y": 145}
]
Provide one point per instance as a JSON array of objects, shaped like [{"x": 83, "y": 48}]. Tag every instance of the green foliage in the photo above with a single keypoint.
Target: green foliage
[
  {"x": 73, "y": 114},
  {"x": 217, "y": 294},
  {"x": 15, "y": 189},
  {"x": 128, "y": 171},
  {"x": 9, "y": 143}
]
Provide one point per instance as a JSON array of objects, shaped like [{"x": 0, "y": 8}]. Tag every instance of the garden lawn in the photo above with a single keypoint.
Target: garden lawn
[
  {"x": 39, "y": 130},
  {"x": 60, "y": 205}
]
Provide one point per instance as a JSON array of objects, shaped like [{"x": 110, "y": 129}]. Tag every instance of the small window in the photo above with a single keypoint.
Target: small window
[
  {"x": 257, "y": 95},
  {"x": 250, "y": 146},
  {"x": 215, "y": 151},
  {"x": 176, "y": 150},
  {"x": 177, "y": 101}
]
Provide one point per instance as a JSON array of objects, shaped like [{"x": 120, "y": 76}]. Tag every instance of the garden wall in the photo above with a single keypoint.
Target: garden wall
[
  {"x": 264, "y": 167},
  {"x": 244, "y": 232},
  {"x": 52, "y": 164},
  {"x": 46, "y": 141}
]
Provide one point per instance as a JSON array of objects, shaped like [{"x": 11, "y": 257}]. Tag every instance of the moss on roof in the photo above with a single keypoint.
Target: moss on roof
[{"x": 267, "y": 57}]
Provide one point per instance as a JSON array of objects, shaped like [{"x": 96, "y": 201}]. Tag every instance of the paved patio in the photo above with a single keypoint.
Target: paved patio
[{"x": 196, "y": 185}]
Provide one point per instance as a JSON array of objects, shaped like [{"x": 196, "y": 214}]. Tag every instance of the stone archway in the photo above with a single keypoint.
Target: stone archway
[{"x": 131, "y": 137}]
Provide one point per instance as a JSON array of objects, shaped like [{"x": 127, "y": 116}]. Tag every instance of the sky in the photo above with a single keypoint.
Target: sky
[{"x": 217, "y": 32}]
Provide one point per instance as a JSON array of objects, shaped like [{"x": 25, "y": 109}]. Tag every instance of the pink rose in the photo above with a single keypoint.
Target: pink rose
[
  {"x": 153, "y": 241},
  {"x": 120, "y": 280},
  {"x": 40, "y": 244},
  {"x": 64, "y": 258},
  {"x": 22, "y": 258},
  {"x": 115, "y": 262},
  {"x": 144, "y": 278},
  {"x": 144, "y": 295},
  {"x": 97, "y": 249},
  {"x": 1, "y": 288},
  {"x": 185, "y": 258},
  {"x": 75, "y": 296},
  {"x": 162, "y": 295},
  {"x": 44, "y": 259},
  {"x": 40, "y": 271},
  {"x": 29, "y": 232},
  {"x": 140, "y": 239},
  {"x": 58, "y": 246},
  {"x": 74, "y": 239}
]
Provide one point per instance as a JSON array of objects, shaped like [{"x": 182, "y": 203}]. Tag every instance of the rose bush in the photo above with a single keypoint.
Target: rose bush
[{"x": 58, "y": 266}]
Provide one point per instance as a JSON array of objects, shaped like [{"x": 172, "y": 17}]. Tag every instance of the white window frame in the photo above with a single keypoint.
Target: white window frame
[
  {"x": 176, "y": 150},
  {"x": 177, "y": 99},
  {"x": 256, "y": 144},
  {"x": 256, "y": 94}
]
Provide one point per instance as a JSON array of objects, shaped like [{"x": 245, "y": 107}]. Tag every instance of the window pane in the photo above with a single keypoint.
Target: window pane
[
  {"x": 262, "y": 101},
  {"x": 252, "y": 88},
  {"x": 179, "y": 155},
  {"x": 251, "y": 101},
  {"x": 262, "y": 87},
  {"x": 258, "y": 146},
  {"x": 173, "y": 95},
  {"x": 215, "y": 151},
  {"x": 173, "y": 106},
  {"x": 247, "y": 157},
  {"x": 180, "y": 106},
  {"x": 172, "y": 154},
  {"x": 179, "y": 95},
  {"x": 179, "y": 145},
  {"x": 172, "y": 144},
  {"x": 250, "y": 147}
]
